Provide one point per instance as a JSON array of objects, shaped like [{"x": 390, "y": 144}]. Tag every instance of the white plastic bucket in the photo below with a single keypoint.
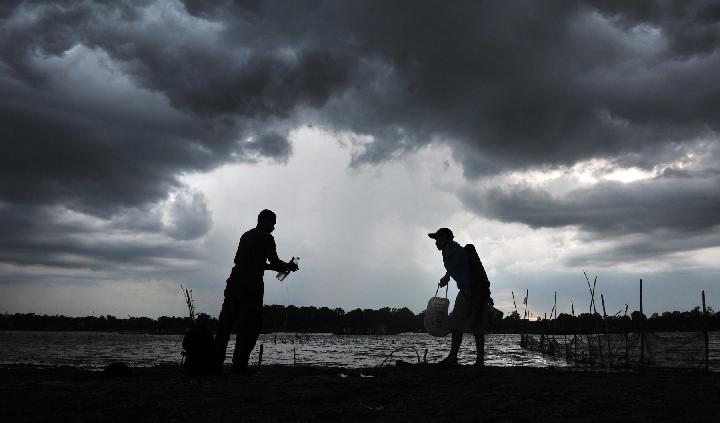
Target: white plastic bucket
[{"x": 436, "y": 317}]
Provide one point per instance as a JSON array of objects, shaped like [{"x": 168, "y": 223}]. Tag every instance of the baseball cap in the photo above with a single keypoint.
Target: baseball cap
[{"x": 442, "y": 232}]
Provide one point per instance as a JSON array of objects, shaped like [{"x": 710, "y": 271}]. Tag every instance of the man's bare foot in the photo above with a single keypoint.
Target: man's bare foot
[
  {"x": 448, "y": 361},
  {"x": 243, "y": 370}
]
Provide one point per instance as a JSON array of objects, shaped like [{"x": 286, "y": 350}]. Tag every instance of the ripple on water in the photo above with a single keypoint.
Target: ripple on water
[{"x": 95, "y": 350}]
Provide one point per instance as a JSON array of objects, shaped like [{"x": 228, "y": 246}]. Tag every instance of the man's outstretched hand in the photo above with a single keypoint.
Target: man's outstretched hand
[
  {"x": 444, "y": 281},
  {"x": 293, "y": 267}
]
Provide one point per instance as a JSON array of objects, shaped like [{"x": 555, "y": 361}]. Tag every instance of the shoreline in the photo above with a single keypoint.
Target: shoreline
[{"x": 392, "y": 393}]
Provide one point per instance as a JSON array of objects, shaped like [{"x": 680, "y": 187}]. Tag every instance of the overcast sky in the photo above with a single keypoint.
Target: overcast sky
[{"x": 141, "y": 138}]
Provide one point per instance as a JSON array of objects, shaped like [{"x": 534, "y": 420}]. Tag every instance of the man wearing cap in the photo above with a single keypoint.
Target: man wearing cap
[
  {"x": 244, "y": 291},
  {"x": 470, "y": 310}
]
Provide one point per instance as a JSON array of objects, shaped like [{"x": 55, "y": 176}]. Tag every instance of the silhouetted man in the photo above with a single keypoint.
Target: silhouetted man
[
  {"x": 470, "y": 311},
  {"x": 244, "y": 291}
]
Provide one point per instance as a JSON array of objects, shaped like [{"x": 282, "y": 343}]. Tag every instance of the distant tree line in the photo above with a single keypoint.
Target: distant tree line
[
  {"x": 687, "y": 321},
  {"x": 278, "y": 318}
]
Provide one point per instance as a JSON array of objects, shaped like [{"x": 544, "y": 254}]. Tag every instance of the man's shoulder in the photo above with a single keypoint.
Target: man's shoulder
[
  {"x": 248, "y": 234},
  {"x": 452, "y": 246},
  {"x": 257, "y": 234}
]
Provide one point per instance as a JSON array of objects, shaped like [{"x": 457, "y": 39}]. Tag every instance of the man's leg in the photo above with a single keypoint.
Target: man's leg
[
  {"x": 250, "y": 326},
  {"x": 480, "y": 347},
  {"x": 457, "y": 337},
  {"x": 479, "y": 332},
  {"x": 226, "y": 321},
  {"x": 457, "y": 322}
]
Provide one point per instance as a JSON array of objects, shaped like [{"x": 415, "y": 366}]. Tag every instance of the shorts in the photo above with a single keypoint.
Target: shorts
[
  {"x": 245, "y": 292},
  {"x": 469, "y": 314}
]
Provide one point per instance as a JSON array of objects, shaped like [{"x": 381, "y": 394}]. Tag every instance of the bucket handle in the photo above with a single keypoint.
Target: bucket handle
[{"x": 446, "y": 289}]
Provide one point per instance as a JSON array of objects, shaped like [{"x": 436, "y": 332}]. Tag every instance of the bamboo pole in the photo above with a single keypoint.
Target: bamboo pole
[
  {"x": 516, "y": 312},
  {"x": 554, "y": 325},
  {"x": 642, "y": 328},
  {"x": 592, "y": 292},
  {"x": 607, "y": 332},
  {"x": 593, "y": 312},
  {"x": 527, "y": 315},
  {"x": 260, "y": 355},
  {"x": 625, "y": 330},
  {"x": 705, "y": 333},
  {"x": 572, "y": 308},
  {"x": 595, "y": 328}
]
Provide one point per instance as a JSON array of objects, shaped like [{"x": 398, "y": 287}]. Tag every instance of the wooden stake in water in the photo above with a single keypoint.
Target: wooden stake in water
[
  {"x": 294, "y": 357},
  {"x": 591, "y": 323},
  {"x": 554, "y": 323},
  {"x": 642, "y": 328},
  {"x": 593, "y": 309},
  {"x": 527, "y": 313},
  {"x": 705, "y": 333},
  {"x": 575, "y": 341},
  {"x": 260, "y": 354},
  {"x": 607, "y": 331}
]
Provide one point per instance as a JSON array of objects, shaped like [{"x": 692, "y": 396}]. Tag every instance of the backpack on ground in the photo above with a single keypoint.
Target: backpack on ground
[
  {"x": 199, "y": 350},
  {"x": 477, "y": 272}
]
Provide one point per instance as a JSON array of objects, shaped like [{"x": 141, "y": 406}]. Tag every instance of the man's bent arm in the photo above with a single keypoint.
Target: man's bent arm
[
  {"x": 275, "y": 263},
  {"x": 278, "y": 266}
]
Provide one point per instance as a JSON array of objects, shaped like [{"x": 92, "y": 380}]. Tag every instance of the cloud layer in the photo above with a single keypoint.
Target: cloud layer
[{"x": 106, "y": 105}]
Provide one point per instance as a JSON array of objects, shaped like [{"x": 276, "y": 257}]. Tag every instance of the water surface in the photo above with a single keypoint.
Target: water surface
[{"x": 97, "y": 349}]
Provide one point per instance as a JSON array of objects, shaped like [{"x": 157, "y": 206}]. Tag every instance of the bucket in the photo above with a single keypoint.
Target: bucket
[{"x": 436, "y": 316}]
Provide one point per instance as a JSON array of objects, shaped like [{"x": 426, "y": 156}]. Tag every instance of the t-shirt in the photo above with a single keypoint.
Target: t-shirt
[
  {"x": 254, "y": 249},
  {"x": 461, "y": 273}
]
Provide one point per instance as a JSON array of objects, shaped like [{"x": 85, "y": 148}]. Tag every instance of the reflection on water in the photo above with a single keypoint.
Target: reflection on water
[
  {"x": 96, "y": 349},
  {"x": 371, "y": 350}
]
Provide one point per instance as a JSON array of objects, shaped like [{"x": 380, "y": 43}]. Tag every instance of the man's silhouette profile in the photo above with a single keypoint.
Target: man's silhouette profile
[
  {"x": 243, "y": 301},
  {"x": 470, "y": 311}
]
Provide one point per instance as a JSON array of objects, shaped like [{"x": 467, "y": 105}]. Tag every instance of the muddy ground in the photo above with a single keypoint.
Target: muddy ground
[{"x": 402, "y": 394}]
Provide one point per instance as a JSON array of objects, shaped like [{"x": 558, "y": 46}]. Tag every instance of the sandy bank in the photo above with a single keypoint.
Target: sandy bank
[{"x": 391, "y": 394}]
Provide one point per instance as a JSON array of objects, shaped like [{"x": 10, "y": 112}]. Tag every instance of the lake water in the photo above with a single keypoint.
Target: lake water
[{"x": 96, "y": 349}]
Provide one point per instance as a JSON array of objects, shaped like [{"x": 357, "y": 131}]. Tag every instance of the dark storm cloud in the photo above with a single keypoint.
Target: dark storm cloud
[
  {"x": 677, "y": 211},
  {"x": 92, "y": 155},
  {"x": 130, "y": 239},
  {"x": 672, "y": 203},
  {"x": 659, "y": 246},
  {"x": 508, "y": 85},
  {"x": 691, "y": 27},
  {"x": 271, "y": 144}
]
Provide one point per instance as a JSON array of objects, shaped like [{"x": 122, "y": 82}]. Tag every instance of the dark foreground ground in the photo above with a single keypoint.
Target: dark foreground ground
[{"x": 400, "y": 394}]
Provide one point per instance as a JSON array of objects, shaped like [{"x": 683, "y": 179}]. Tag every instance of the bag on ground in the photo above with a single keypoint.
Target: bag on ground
[
  {"x": 436, "y": 317},
  {"x": 199, "y": 350}
]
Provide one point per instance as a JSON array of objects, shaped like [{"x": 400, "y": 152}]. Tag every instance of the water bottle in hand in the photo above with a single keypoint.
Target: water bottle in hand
[{"x": 282, "y": 275}]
